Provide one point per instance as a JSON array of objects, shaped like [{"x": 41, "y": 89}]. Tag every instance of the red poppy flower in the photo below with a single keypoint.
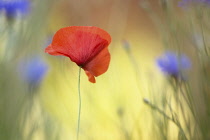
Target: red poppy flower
[{"x": 87, "y": 46}]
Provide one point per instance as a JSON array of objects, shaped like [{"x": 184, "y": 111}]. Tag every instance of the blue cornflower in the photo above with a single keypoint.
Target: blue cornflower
[
  {"x": 173, "y": 64},
  {"x": 185, "y": 3},
  {"x": 33, "y": 70},
  {"x": 12, "y": 7}
]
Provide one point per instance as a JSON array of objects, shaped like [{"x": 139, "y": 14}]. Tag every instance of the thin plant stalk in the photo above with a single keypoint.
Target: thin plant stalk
[
  {"x": 175, "y": 121},
  {"x": 80, "y": 103}
]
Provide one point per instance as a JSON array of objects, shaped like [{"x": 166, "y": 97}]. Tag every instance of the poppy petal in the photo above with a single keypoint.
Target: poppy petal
[
  {"x": 99, "y": 64},
  {"x": 51, "y": 51},
  {"x": 91, "y": 78},
  {"x": 80, "y": 43},
  {"x": 87, "y": 46}
]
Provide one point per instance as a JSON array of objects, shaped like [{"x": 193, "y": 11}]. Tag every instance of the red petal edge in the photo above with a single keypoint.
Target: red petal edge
[
  {"x": 99, "y": 64},
  {"x": 51, "y": 51},
  {"x": 91, "y": 78}
]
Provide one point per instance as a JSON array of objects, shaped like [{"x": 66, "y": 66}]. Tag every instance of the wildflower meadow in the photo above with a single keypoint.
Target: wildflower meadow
[{"x": 104, "y": 70}]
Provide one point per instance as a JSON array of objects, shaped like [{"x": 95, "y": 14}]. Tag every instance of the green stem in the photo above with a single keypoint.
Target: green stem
[
  {"x": 175, "y": 121},
  {"x": 79, "y": 112}
]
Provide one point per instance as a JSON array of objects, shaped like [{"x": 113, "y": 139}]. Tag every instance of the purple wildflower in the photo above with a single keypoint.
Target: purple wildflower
[
  {"x": 173, "y": 64},
  {"x": 33, "y": 70},
  {"x": 12, "y": 7},
  {"x": 184, "y": 3}
]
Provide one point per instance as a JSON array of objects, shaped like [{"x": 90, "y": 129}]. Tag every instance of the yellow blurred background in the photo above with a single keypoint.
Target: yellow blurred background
[
  {"x": 112, "y": 108},
  {"x": 133, "y": 100}
]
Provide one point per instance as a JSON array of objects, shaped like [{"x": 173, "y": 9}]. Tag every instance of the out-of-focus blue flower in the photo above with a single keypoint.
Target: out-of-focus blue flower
[
  {"x": 32, "y": 71},
  {"x": 184, "y": 3},
  {"x": 126, "y": 45},
  {"x": 173, "y": 64},
  {"x": 12, "y": 7}
]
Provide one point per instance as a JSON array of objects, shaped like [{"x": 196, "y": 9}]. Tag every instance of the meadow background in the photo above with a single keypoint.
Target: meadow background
[{"x": 132, "y": 100}]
